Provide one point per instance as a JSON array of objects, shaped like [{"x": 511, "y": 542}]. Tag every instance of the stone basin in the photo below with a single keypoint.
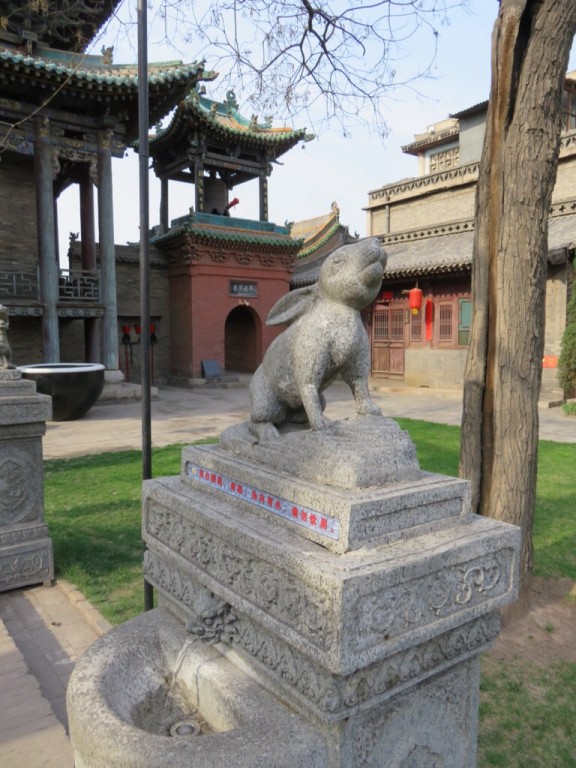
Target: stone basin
[
  {"x": 73, "y": 387},
  {"x": 149, "y": 695}
]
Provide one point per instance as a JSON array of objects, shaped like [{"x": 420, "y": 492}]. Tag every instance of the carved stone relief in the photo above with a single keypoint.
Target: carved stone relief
[
  {"x": 331, "y": 696},
  {"x": 19, "y": 487},
  {"x": 24, "y": 568},
  {"x": 391, "y": 612},
  {"x": 289, "y": 600},
  {"x": 446, "y": 705}
]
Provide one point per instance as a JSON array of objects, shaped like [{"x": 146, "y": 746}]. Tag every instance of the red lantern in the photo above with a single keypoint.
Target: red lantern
[{"x": 415, "y": 300}]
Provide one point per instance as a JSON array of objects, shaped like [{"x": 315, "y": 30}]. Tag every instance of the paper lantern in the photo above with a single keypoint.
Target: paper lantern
[{"x": 415, "y": 300}]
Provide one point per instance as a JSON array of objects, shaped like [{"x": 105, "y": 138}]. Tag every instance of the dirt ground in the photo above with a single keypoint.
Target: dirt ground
[{"x": 548, "y": 631}]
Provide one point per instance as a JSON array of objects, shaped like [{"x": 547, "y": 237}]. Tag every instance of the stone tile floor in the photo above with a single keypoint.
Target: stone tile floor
[{"x": 43, "y": 632}]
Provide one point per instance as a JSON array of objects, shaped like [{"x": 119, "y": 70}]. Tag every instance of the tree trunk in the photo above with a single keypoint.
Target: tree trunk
[{"x": 530, "y": 48}]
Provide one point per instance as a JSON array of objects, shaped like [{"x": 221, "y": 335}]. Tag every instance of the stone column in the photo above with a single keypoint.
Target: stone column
[
  {"x": 107, "y": 258},
  {"x": 88, "y": 239},
  {"x": 46, "y": 228}
]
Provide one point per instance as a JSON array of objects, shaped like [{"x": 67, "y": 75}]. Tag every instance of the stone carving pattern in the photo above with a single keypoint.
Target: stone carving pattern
[
  {"x": 80, "y": 312},
  {"x": 271, "y": 589},
  {"x": 391, "y": 612},
  {"x": 420, "y": 234},
  {"x": 445, "y": 700},
  {"x": 20, "y": 535},
  {"x": 424, "y": 182},
  {"x": 442, "y": 161},
  {"x": 93, "y": 171},
  {"x": 332, "y": 694},
  {"x": 18, "y": 569},
  {"x": 19, "y": 487},
  {"x": 188, "y": 253},
  {"x": 218, "y": 256}
]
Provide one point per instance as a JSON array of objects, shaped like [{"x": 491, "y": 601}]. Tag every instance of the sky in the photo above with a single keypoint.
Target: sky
[{"x": 331, "y": 167}]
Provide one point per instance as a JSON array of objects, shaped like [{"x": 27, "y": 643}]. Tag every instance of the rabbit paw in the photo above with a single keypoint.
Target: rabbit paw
[
  {"x": 369, "y": 409},
  {"x": 264, "y": 432},
  {"x": 322, "y": 423}
]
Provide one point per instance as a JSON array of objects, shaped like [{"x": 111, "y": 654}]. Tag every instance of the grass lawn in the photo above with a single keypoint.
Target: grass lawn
[{"x": 528, "y": 714}]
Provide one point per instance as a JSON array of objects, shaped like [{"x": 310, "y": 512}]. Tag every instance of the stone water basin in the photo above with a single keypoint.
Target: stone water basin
[
  {"x": 73, "y": 387},
  {"x": 148, "y": 695}
]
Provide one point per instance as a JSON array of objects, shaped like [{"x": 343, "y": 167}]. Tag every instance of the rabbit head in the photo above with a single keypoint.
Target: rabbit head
[{"x": 352, "y": 274}]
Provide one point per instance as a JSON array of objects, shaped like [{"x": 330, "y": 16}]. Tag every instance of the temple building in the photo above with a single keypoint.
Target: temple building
[
  {"x": 224, "y": 272},
  {"x": 63, "y": 116},
  {"x": 426, "y": 225},
  {"x": 320, "y": 235}
]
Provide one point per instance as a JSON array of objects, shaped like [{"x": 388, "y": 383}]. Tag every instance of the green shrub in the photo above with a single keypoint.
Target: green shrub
[{"x": 567, "y": 361}]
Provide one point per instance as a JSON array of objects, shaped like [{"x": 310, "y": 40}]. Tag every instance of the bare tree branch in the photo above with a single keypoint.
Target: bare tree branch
[{"x": 284, "y": 56}]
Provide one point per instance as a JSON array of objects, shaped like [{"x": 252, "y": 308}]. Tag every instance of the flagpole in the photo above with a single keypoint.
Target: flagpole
[{"x": 143, "y": 155}]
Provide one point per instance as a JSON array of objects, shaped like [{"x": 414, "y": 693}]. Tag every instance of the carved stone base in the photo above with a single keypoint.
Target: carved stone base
[
  {"x": 352, "y": 453},
  {"x": 25, "y": 546},
  {"x": 338, "y": 519},
  {"x": 375, "y": 638},
  {"x": 24, "y": 564}
]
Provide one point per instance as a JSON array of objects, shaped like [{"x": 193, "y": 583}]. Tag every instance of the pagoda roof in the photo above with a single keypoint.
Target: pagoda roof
[
  {"x": 321, "y": 235},
  {"x": 448, "y": 248},
  {"x": 67, "y": 26},
  {"x": 223, "y": 122},
  {"x": 91, "y": 83},
  {"x": 317, "y": 232},
  {"x": 211, "y": 228}
]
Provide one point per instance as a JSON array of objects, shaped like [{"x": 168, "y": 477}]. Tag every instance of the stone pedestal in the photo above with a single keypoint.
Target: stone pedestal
[
  {"x": 364, "y": 607},
  {"x": 25, "y": 546}
]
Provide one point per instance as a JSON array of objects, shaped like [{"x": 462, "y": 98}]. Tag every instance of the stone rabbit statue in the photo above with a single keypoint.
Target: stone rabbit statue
[{"x": 325, "y": 339}]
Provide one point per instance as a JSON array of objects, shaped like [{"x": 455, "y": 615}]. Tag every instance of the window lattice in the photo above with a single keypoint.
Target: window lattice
[
  {"x": 443, "y": 161},
  {"x": 445, "y": 324}
]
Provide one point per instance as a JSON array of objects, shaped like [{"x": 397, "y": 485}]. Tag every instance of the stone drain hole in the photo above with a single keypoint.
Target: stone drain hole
[{"x": 187, "y": 727}]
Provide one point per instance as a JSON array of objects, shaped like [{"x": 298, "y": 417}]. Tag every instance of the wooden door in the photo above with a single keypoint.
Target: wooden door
[{"x": 388, "y": 340}]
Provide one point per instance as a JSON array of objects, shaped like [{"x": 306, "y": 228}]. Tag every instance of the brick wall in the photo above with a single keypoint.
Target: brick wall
[
  {"x": 25, "y": 336},
  {"x": 18, "y": 245},
  {"x": 212, "y": 304},
  {"x": 199, "y": 313},
  {"x": 448, "y": 205}
]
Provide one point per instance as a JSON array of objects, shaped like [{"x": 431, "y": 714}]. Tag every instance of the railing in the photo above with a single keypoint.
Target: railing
[
  {"x": 19, "y": 285},
  {"x": 79, "y": 285},
  {"x": 74, "y": 286}
]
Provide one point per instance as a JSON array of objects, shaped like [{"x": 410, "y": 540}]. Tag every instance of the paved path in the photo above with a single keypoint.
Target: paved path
[
  {"x": 43, "y": 631},
  {"x": 184, "y": 415}
]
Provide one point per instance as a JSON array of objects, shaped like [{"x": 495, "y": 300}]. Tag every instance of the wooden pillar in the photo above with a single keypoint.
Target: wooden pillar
[
  {"x": 107, "y": 253},
  {"x": 164, "y": 215},
  {"x": 263, "y": 196},
  {"x": 46, "y": 228},
  {"x": 199, "y": 185},
  {"x": 88, "y": 241}
]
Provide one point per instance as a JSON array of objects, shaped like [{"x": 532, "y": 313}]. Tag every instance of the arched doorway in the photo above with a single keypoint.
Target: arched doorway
[{"x": 241, "y": 347}]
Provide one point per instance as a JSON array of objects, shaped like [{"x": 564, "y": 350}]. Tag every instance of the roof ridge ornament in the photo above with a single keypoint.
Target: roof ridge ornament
[{"x": 231, "y": 102}]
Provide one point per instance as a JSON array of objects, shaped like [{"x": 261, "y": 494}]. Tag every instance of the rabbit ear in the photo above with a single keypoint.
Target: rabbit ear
[{"x": 291, "y": 306}]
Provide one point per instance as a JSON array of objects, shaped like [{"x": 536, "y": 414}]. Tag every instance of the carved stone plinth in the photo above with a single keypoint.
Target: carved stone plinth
[
  {"x": 25, "y": 545},
  {"x": 365, "y": 609}
]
